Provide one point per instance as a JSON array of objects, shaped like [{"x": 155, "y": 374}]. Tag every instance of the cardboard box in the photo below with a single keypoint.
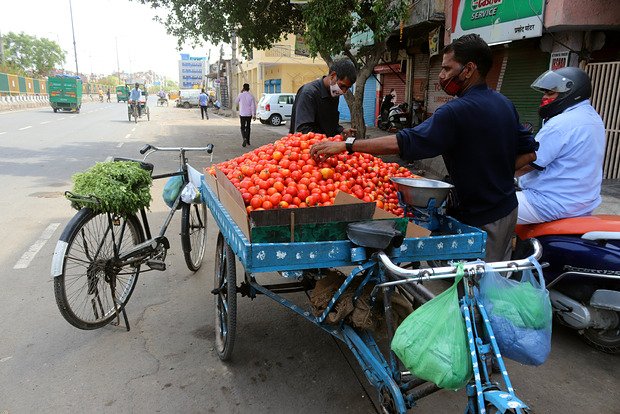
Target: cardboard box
[{"x": 298, "y": 224}]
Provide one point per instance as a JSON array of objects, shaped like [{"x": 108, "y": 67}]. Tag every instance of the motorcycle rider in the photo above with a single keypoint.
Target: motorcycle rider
[{"x": 565, "y": 180}]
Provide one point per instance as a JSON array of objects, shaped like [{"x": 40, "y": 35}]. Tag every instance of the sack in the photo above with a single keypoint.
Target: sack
[
  {"x": 172, "y": 189},
  {"x": 520, "y": 314},
  {"x": 432, "y": 341}
]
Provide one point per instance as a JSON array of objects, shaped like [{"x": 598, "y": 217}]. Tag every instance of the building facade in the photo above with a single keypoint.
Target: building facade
[
  {"x": 282, "y": 69},
  {"x": 527, "y": 38},
  {"x": 192, "y": 71}
]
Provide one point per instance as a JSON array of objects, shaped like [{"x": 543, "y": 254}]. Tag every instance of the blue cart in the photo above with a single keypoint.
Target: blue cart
[{"x": 297, "y": 261}]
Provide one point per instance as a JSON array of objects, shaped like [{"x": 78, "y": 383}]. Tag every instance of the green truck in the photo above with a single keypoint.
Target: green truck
[{"x": 65, "y": 93}]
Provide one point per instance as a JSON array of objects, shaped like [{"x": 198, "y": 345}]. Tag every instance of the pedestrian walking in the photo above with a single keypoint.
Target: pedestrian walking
[
  {"x": 204, "y": 101},
  {"x": 247, "y": 112}
]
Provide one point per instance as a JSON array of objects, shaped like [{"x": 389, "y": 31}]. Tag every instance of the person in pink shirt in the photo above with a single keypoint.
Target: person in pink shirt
[{"x": 247, "y": 112}]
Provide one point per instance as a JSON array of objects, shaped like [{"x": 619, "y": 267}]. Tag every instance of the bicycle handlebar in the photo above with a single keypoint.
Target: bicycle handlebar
[
  {"x": 147, "y": 147},
  {"x": 448, "y": 272}
]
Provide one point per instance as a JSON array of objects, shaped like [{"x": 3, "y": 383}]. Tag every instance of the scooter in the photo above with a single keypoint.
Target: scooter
[
  {"x": 583, "y": 276},
  {"x": 398, "y": 118}
]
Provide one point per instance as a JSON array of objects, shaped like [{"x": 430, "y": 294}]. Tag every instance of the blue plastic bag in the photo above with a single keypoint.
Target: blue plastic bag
[
  {"x": 520, "y": 314},
  {"x": 172, "y": 189},
  {"x": 432, "y": 341}
]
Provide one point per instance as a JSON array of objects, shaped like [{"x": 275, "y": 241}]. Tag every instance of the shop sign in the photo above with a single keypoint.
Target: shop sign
[
  {"x": 498, "y": 21},
  {"x": 301, "y": 47},
  {"x": 558, "y": 60},
  {"x": 391, "y": 68}
]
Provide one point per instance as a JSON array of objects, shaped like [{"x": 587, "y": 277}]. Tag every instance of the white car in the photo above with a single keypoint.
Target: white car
[{"x": 275, "y": 108}]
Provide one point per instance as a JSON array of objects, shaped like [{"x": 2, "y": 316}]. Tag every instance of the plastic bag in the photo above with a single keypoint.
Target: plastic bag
[
  {"x": 190, "y": 194},
  {"x": 172, "y": 189},
  {"x": 432, "y": 341},
  {"x": 520, "y": 315}
]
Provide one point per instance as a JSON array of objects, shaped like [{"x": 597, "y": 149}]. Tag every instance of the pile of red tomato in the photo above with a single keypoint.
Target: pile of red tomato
[{"x": 283, "y": 175}]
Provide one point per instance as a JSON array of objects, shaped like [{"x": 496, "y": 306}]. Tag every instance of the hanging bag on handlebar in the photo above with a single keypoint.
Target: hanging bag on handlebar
[
  {"x": 432, "y": 341},
  {"x": 520, "y": 314},
  {"x": 172, "y": 189}
]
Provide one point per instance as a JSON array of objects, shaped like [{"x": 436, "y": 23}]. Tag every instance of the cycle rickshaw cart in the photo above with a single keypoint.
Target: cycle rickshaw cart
[
  {"x": 374, "y": 265},
  {"x": 132, "y": 110}
]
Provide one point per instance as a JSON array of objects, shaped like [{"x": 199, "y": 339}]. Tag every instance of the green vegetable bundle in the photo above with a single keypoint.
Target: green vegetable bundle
[{"x": 122, "y": 186}]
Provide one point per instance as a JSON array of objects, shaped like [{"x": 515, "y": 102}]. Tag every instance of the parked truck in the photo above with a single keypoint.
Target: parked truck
[{"x": 65, "y": 93}]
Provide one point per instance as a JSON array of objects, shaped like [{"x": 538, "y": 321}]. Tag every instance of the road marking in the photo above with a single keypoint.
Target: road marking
[
  {"x": 2, "y": 133},
  {"x": 128, "y": 136},
  {"x": 26, "y": 127},
  {"x": 134, "y": 128},
  {"x": 120, "y": 144},
  {"x": 45, "y": 122},
  {"x": 60, "y": 119},
  {"x": 108, "y": 159},
  {"x": 34, "y": 249}
]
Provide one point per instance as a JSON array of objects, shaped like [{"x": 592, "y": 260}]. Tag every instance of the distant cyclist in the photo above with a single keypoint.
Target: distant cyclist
[
  {"x": 100, "y": 95},
  {"x": 134, "y": 98}
]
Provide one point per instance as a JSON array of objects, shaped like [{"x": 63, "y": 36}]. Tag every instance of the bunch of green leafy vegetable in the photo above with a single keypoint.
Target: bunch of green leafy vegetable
[{"x": 123, "y": 187}]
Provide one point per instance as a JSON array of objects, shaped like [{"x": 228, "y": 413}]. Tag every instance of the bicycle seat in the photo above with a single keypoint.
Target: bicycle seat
[
  {"x": 376, "y": 234},
  {"x": 573, "y": 225},
  {"x": 144, "y": 165}
]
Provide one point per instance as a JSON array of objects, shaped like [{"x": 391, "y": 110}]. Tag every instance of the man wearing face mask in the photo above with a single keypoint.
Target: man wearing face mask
[
  {"x": 480, "y": 138},
  {"x": 316, "y": 103},
  {"x": 565, "y": 180}
]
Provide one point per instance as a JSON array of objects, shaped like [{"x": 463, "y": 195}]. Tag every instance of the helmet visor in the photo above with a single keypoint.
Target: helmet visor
[{"x": 552, "y": 81}]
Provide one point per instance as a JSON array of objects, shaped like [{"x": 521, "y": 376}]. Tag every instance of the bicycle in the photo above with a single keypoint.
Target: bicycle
[
  {"x": 133, "y": 111},
  {"x": 98, "y": 257}
]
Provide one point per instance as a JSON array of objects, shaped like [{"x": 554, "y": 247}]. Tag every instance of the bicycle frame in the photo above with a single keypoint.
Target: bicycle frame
[{"x": 483, "y": 390}]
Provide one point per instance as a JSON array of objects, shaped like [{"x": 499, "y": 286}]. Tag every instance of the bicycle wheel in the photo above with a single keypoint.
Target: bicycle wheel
[
  {"x": 135, "y": 113},
  {"x": 225, "y": 299},
  {"x": 194, "y": 234},
  {"x": 90, "y": 287}
]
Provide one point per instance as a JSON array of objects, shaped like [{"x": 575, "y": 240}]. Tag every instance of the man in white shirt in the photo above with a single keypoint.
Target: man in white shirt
[
  {"x": 565, "y": 180},
  {"x": 134, "y": 96}
]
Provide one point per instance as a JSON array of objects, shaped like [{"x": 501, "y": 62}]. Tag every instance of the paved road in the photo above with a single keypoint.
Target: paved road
[{"x": 166, "y": 363}]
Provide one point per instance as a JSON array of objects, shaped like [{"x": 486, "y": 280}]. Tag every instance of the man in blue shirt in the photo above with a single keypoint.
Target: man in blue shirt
[
  {"x": 204, "y": 101},
  {"x": 565, "y": 180},
  {"x": 480, "y": 138},
  {"x": 134, "y": 96}
]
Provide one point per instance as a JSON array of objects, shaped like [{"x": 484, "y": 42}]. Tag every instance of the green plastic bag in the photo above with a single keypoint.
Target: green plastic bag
[{"x": 432, "y": 341}]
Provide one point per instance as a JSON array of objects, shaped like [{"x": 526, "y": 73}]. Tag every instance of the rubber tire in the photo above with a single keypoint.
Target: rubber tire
[
  {"x": 275, "y": 120},
  {"x": 186, "y": 105},
  {"x": 129, "y": 116},
  {"x": 55, "y": 110},
  {"x": 135, "y": 114},
  {"x": 194, "y": 242},
  {"x": 148, "y": 114},
  {"x": 607, "y": 344},
  {"x": 72, "y": 289},
  {"x": 225, "y": 278}
]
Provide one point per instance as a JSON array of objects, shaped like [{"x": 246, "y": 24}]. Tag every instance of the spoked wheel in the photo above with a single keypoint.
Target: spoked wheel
[
  {"x": 135, "y": 113},
  {"x": 388, "y": 405},
  {"x": 148, "y": 114},
  {"x": 194, "y": 234},
  {"x": 225, "y": 298},
  {"x": 92, "y": 287}
]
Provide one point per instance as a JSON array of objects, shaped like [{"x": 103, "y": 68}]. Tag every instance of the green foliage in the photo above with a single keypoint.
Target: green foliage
[
  {"x": 122, "y": 186},
  {"x": 27, "y": 54}
]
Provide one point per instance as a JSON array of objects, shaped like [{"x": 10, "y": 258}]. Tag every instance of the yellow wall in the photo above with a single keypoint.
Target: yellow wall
[{"x": 279, "y": 62}]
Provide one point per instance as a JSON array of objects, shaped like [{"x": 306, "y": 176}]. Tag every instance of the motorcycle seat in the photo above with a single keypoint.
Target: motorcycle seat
[{"x": 602, "y": 224}]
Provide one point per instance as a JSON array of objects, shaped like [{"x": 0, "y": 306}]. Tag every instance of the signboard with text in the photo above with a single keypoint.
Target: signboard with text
[
  {"x": 558, "y": 60},
  {"x": 497, "y": 21}
]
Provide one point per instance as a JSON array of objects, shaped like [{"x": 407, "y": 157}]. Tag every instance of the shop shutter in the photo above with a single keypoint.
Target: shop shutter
[
  {"x": 436, "y": 95},
  {"x": 523, "y": 66},
  {"x": 396, "y": 81},
  {"x": 420, "y": 73},
  {"x": 370, "y": 96}
]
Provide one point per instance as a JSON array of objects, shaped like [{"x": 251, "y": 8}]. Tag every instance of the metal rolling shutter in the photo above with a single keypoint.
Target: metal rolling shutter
[
  {"x": 392, "y": 80},
  {"x": 523, "y": 66},
  {"x": 368, "y": 103}
]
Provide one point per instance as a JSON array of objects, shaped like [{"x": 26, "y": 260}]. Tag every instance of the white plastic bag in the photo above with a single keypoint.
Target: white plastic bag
[{"x": 190, "y": 194}]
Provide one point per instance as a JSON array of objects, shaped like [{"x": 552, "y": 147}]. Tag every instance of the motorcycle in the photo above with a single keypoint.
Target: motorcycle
[
  {"x": 583, "y": 276},
  {"x": 398, "y": 118}
]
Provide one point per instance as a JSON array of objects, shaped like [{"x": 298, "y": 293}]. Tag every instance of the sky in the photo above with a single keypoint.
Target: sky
[{"x": 104, "y": 30}]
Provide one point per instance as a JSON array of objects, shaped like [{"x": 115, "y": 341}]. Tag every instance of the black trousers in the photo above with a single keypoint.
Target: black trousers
[
  {"x": 203, "y": 112},
  {"x": 245, "y": 128}
]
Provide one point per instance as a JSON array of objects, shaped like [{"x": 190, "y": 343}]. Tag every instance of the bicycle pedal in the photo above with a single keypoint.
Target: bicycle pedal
[{"x": 155, "y": 264}]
